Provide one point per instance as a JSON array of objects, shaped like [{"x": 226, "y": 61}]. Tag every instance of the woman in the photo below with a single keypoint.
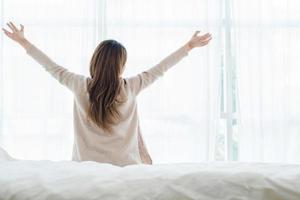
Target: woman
[{"x": 106, "y": 122}]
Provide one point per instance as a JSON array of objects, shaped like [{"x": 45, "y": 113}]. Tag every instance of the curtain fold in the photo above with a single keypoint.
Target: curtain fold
[{"x": 267, "y": 39}]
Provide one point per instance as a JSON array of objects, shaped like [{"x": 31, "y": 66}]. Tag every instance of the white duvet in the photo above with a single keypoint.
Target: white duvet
[{"x": 90, "y": 180}]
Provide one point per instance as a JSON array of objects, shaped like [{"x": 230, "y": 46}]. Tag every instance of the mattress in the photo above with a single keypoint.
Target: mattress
[{"x": 20, "y": 180}]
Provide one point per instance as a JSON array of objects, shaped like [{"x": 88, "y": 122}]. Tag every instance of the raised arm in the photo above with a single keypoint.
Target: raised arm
[
  {"x": 146, "y": 78},
  {"x": 70, "y": 80}
]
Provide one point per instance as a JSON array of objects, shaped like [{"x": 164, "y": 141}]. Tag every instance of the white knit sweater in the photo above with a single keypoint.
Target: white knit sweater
[{"x": 124, "y": 145}]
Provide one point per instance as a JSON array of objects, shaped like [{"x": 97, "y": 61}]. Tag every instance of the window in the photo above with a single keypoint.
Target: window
[{"x": 207, "y": 108}]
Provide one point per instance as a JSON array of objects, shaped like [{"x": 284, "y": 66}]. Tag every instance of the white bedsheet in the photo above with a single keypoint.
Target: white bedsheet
[{"x": 89, "y": 180}]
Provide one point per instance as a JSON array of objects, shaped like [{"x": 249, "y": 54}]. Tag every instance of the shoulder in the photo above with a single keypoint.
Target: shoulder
[
  {"x": 134, "y": 84},
  {"x": 81, "y": 84}
]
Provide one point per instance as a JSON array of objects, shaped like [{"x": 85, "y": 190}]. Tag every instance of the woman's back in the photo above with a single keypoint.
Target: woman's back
[{"x": 119, "y": 145}]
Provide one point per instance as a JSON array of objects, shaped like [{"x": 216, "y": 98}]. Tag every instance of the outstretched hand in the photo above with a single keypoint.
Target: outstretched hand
[
  {"x": 199, "y": 40},
  {"x": 16, "y": 34}
]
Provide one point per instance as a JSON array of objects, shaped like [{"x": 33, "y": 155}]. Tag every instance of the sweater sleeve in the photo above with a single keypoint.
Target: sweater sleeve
[
  {"x": 141, "y": 81},
  {"x": 69, "y": 79}
]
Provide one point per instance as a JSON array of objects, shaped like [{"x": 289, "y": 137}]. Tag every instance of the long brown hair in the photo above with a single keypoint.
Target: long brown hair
[{"x": 106, "y": 67}]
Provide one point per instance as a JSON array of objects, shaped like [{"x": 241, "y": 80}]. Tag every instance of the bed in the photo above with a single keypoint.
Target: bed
[{"x": 20, "y": 180}]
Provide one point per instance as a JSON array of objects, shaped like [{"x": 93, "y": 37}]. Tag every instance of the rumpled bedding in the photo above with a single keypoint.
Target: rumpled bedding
[{"x": 41, "y": 180}]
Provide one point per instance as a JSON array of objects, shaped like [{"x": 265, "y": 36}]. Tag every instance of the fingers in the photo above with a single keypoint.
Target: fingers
[
  {"x": 12, "y": 27},
  {"x": 196, "y": 33},
  {"x": 6, "y": 32},
  {"x": 207, "y": 38},
  {"x": 22, "y": 27},
  {"x": 204, "y": 37},
  {"x": 205, "y": 42}
]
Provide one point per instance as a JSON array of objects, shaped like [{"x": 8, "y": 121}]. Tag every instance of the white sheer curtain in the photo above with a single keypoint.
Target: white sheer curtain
[
  {"x": 267, "y": 39},
  {"x": 179, "y": 113}
]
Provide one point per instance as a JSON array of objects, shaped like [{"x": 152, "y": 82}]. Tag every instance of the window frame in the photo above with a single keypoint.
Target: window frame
[{"x": 229, "y": 99}]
